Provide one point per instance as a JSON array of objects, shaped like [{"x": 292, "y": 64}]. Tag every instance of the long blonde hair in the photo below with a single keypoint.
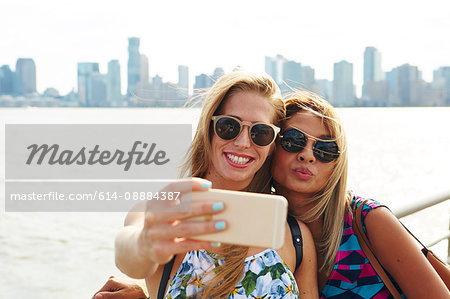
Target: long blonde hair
[
  {"x": 197, "y": 163},
  {"x": 332, "y": 202}
]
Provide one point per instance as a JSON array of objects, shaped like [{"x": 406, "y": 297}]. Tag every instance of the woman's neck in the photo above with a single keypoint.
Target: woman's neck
[
  {"x": 218, "y": 183},
  {"x": 298, "y": 202},
  {"x": 299, "y": 206}
]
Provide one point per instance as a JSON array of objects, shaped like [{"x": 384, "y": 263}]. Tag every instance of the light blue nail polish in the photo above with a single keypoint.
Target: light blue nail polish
[
  {"x": 217, "y": 206},
  {"x": 220, "y": 225},
  {"x": 206, "y": 184},
  {"x": 216, "y": 244}
]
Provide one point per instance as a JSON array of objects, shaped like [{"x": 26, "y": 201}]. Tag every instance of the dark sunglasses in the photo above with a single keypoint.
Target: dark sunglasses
[
  {"x": 294, "y": 141},
  {"x": 229, "y": 127}
]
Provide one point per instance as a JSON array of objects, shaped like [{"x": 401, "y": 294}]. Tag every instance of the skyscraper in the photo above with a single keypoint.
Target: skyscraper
[
  {"x": 408, "y": 76},
  {"x": 218, "y": 72},
  {"x": 441, "y": 77},
  {"x": 6, "y": 80},
  {"x": 292, "y": 75},
  {"x": 343, "y": 89},
  {"x": 324, "y": 88},
  {"x": 144, "y": 77},
  {"x": 202, "y": 81},
  {"x": 134, "y": 65},
  {"x": 183, "y": 80},
  {"x": 26, "y": 75},
  {"x": 372, "y": 69},
  {"x": 274, "y": 67},
  {"x": 114, "y": 89},
  {"x": 85, "y": 70},
  {"x": 97, "y": 96},
  {"x": 308, "y": 79}
]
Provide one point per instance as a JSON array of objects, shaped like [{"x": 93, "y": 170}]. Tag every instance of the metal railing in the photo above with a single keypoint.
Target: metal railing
[{"x": 403, "y": 212}]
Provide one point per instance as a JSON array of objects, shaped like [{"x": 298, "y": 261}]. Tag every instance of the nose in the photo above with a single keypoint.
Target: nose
[
  {"x": 243, "y": 139},
  {"x": 307, "y": 153}
]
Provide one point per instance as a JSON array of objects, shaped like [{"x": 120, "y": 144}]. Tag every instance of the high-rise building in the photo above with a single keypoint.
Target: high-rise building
[
  {"x": 144, "y": 77},
  {"x": 391, "y": 79},
  {"x": 343, "y": 89},
  {"x": 85, "y": 70},
  {"x": 114, "y": 88},
  {"x": 308, "y": 79},
  {"x": 407, "y": 77},
  {"x": 6, "y": 80},
  {"x": 292, "y": 76},
  {"x": 26, "y": 75},
  {"x": 324, "y": 88},
  {"x": 218, "y": 72},
  {"x": 157, "y": 87},
  {"x": 202, "y": 81},
  {"x": 134, "y": 65},
  {"x": 274, "y": 67},
  {"x": 97, "y": 96},
  {"x": 441, "y": 78},
  {"x": 183, "y": 81},
  {"x": 372, "y": 69}
]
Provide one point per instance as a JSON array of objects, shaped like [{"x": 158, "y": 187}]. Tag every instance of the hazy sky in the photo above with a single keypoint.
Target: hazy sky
[{"x": 204, "y": 34}]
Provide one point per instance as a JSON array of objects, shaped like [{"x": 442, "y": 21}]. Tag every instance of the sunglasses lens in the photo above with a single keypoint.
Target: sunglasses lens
[
  {"x": 326, "y": 151},
  {"x": 262, "y": 134},
  {"x": 293, "y": 141},
  {"x": 227, "y": 128}
]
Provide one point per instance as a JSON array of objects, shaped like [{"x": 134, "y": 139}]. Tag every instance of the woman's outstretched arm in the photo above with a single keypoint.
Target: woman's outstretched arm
[{"x": 150, "y": 239}]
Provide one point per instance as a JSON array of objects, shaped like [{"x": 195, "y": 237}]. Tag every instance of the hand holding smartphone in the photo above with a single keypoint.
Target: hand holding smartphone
[{"x": 253, "y": 219}]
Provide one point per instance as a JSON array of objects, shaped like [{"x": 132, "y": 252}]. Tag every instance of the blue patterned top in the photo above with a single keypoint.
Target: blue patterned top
[
  {"x": 352, "y": 275},
  {"x": 266, "y": 276}
]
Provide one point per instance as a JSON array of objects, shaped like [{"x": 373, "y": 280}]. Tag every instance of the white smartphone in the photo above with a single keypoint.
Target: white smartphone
[{"x": 253, "y": 219}]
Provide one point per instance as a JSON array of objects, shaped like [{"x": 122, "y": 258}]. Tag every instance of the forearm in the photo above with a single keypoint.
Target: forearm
[{"x": 128, "y": 257}]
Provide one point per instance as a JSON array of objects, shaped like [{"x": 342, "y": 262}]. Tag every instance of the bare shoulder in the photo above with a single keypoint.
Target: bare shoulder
[{"x": 380, "y": 217}]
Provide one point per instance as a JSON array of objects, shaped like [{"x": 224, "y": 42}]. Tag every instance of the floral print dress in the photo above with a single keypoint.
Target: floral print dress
[{"x": 266, "y": 276}]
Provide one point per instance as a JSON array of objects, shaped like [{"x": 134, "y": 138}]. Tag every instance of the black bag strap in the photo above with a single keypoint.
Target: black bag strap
[
  {"x": 297, "y": 239},
  {"x": 165, "y": 278}
]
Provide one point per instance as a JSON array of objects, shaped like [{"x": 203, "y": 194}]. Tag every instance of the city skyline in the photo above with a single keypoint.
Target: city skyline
[
  {"x": 402, "y": 86},
  {"x": 58, "y": 35},
  {"x": 368, "y": 75}
]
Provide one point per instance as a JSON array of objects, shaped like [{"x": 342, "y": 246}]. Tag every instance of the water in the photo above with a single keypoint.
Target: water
[{"x": 397, "y": 156}]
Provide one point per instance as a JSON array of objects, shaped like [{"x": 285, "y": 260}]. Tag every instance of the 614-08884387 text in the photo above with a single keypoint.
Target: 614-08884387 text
[{"x": 160, "y": 195}]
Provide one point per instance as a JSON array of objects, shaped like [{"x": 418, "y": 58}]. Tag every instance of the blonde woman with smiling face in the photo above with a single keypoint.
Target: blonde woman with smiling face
[
  {"x": 233, "y": 153},
  {"x": 310, "y": 169}
]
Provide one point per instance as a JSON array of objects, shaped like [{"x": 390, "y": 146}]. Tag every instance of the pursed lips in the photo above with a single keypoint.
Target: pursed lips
[{"x": 303, "y": 173}]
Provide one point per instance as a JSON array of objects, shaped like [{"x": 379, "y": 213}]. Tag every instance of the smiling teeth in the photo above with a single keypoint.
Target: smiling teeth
[{"x": 238, "y": 160}]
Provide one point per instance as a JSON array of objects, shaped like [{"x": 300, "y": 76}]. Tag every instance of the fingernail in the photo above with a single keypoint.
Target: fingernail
[
  {"x": 217, "y": 206},
  {"x": 215, "y": 244},
  {"x": 220, "y": 225},
  {"x": 206, "y": 184}
]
